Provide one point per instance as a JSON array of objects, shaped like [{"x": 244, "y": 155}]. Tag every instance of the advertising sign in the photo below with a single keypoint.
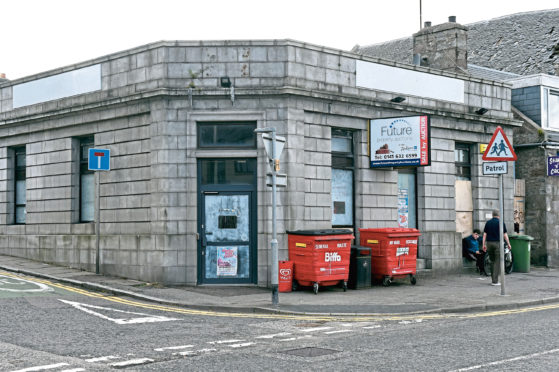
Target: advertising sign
[
  {"x": 400, "y": 142},
  {"x": 553, "y": 165}
]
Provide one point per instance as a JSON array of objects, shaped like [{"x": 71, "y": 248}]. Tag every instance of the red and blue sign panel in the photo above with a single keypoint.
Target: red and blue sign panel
[{"x": 99, "y": 159}]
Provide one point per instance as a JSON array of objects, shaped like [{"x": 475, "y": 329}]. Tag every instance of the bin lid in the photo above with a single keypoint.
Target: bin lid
[
  {"x": 321, "y": 232},
  {"x": 521, "y": 237},
  {"x": 386, "y": 230}
]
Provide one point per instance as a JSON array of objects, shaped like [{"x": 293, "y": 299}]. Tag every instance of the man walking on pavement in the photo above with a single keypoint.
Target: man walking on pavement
[{"x": 491, "y": 244}]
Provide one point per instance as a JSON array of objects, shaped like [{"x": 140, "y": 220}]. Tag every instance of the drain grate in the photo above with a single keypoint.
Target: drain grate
[{"x": 310, "y": 352}]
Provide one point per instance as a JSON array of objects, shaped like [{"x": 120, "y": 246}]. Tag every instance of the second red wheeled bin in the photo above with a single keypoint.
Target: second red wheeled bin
[
  {"x": 393, "y": 253},
  {"x": 320, "y": 257}
]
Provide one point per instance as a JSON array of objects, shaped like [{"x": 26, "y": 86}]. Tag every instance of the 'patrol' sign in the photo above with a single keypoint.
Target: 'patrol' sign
[
  {"x": 495, "y": 168},
  {"x": 99, "y": 159}
]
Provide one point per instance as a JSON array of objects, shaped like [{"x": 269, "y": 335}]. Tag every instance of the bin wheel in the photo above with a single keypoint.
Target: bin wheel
[
  {"x": 315, "y": 288},
  {"x": 345, "y": 286},
  {"x": 386, "y": 281},
  {"x": 294, "y": 286},
  {"x": 413, "y": 280}
]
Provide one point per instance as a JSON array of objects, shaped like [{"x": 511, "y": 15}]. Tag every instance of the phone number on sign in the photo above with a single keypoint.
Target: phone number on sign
[{"x": 396, "y": 156}]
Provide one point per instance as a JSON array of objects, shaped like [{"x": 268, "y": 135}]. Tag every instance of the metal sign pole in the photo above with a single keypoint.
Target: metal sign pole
[
  {"x": 97, "y": 221},
  {"x": 274, "y": 243},
  {"x": 501, "y": 235}
]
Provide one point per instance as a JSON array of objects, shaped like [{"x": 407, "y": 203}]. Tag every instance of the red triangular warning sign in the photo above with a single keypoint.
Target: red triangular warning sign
[{"x": 499, "y": 148}]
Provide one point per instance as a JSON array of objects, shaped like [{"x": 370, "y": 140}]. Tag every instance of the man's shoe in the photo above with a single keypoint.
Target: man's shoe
[{"x": 496, "y": 283}]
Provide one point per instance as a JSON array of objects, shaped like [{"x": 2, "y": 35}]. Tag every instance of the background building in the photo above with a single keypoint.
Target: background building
[{"x": 522, "y": 50}]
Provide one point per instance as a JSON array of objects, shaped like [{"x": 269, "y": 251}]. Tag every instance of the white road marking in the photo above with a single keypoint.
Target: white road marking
[
  {"x": 496, "y": 363},
  {"x": 223, "y": 342},
  {"x": 102, "y": 359},
  {"x": 146, "y": 318},
  {"x": 42, "y": 368},
  {"x": 275, "y": 335},
  {"x": 372, "y": 327},
  {"x": 173, "y": 347},
  {"x": 315, "y": 329},
  {"x": 9, "y": 281},
  {"x": 132, "y": 362},
  {"x": 242, "y": 345},
  {"x": 295, "y": 338},
  {"x": 73, "y": 370},
  {"x": 339, "y": 331},
  {"x": 194, "y": 352}
]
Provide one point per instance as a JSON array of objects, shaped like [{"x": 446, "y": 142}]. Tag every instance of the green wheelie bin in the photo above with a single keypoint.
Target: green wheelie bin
[{"x": 520, "y": 248}]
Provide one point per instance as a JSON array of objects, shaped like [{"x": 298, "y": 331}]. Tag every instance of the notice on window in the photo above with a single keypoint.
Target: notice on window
[
  {"x": 227, "y": 260},
  {"x": 403, "y": 205}
]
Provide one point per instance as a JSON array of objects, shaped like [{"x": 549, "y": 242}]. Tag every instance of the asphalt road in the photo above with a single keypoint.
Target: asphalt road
[{"x": 49, "y": 326}]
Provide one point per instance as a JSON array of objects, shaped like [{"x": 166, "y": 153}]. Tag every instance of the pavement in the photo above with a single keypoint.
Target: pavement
[{"x": 451, "y": 293}]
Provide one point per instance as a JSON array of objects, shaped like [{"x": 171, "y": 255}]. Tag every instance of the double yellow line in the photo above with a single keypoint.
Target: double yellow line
[{"x": 325, "y": 318}]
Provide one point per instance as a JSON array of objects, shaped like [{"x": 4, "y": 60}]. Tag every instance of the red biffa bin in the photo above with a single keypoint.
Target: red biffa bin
[
  {"x": 285, "y": 276},
  {"x": 320, "y": 257},
  {"x": 393, "y": 253}
]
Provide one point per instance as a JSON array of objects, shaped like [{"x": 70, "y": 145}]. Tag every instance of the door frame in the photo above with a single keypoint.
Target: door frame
[{"x": 227, "y": 189}]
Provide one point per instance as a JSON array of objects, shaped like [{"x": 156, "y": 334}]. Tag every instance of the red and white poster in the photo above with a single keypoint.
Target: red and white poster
[{"x": 227, "y": 261}]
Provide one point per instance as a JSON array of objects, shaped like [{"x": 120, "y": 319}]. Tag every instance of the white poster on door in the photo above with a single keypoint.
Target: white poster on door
[{"x": 227, "y": 261}]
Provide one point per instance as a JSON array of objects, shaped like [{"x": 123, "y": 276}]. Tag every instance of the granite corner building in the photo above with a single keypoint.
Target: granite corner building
[{"x": 186, "y": 200}]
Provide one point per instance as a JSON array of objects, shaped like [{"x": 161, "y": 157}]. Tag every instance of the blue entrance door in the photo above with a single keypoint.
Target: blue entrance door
[{"x": 227, "y": 225}]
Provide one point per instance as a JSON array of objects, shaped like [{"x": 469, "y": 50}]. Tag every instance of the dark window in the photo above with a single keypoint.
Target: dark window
[
  {"x": 87, "y": 183},
  {"x": 227, "y": 222},
  {"x": 228, "y": 171},
  {"x": 342, "y": 149},
  {"x": 226, "y": 135},
  {"x": 462, "y": 161},
  {"x": 342, "y": 177},
  {"x": 20, "y": 185}
]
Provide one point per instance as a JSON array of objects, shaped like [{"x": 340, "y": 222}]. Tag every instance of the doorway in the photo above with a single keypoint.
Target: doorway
[{"x": 227, "y": 221}]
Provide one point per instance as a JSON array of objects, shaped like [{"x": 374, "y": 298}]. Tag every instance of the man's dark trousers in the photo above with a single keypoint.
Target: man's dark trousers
[{"x": 494, "y": 251}]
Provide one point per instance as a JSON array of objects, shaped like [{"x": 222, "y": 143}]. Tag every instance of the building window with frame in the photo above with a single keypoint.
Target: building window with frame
[
  {"x": 342, "y": 178},
  {"x": 87, "y": 182},
  {"x": 231, "y": 134},
  {"x": 20, "y": 186},
  {"x": 552, "y": 112},
  {"x": 462, "y": 161}
]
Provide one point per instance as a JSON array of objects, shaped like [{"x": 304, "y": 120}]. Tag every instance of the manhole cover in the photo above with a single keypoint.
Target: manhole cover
[{"x": 310, "y": 352}]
